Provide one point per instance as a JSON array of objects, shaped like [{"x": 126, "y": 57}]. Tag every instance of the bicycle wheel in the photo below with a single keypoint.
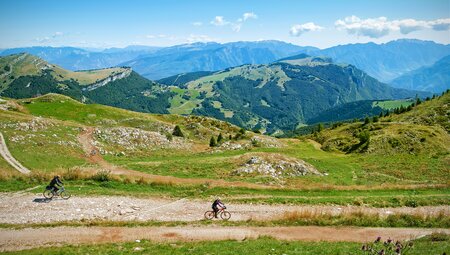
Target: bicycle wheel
[
  {"x": 65, "y": 195},
  {"x": 225, "y": 215},
  {"x": 209, "y": 215},
  {"x": 48, "y": 194}
]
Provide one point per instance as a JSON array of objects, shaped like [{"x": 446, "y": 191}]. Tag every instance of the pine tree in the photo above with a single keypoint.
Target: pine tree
[
  {"x": 212, "y": 142},
  {"x": 418, "y": 101},
  {"x": 319, "y": 127},
  {"x": 219, "y": 138},
  {"x": 366, "y": 120},
  {"x": 177, "y": 131}
]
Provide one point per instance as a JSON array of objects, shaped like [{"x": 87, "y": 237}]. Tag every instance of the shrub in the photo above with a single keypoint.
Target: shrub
[
  {"x": 73, "y": 174},
  {"x": 375, "y": 119},
  {"x": 364, "y": 137},
  {"x": 439, "y": 237},
  {"x": 102, "y": 176},
  {"x": 177, "y": 131},
  {"x": 255, "y": 143},
  {"x": 366, "y": 120},
  {"x": 7, "y": 68},
  {"x": 388, "y": 247},
  {"x": 169, "y": 136}
]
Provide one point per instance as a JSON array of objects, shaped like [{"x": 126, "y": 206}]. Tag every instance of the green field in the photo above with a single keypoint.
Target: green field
[
  {"x": 392, "y": 104},
  {"x": 259, "y": 246}
]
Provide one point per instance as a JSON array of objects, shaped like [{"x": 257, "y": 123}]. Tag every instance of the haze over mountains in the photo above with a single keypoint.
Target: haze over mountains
[
  {"x": 434, "y": 78},
  {"x": 385, "y": 62}
]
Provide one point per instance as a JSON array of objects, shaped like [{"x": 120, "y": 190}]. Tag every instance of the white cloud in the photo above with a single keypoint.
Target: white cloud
[
  {"x": 219, "y": 21},
  {"x": 157, "y": 36},
  {"x": 49, "y": 39},
  {"x": 297, "y": 30},
  {"x": 45, "y": 39},
  {"x": 407, "y": 26},
  {"x": 374, "y": 28},
  {"x": 237, "y": 25},
  {"x": 440, "y": 24},
  {"x": 197, "y": 23},
  {"x": 199, "y": 38},
  {"x": 56, "y": 34},
  {"x": 249, "y": 15},
  {"x": 381, "y": 26},
  {"x": 161, "y": 36}
]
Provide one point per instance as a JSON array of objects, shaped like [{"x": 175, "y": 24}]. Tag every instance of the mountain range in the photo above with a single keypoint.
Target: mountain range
[
  {"x": 272, "y": 97},
  {"x": 385, "y": 62},
  {"x": 434, "y": 78},
  {"x": 83, "y": 59},
  {"x": 276, "y": 96},
  {"x": 388, "y": 61}
]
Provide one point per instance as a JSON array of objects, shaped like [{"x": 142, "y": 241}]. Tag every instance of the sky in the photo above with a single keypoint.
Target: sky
[{"x": 319, "y": 23}]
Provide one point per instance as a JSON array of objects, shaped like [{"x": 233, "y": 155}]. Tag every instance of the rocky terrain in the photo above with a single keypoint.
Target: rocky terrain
[
  {"x": 274, "y": 165},
  {"x": 129, "y": 139},
  {"x": 22, "y": 207}
]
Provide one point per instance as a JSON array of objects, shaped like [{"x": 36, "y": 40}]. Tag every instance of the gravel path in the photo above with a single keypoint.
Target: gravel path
[
  {"x": 4, "y": 152},
  {"x": 23, "y": 207},
  {"x": 31, "y": 238}
]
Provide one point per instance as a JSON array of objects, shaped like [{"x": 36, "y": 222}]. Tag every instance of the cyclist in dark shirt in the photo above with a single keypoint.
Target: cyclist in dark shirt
[
  {"x": 55, "y": 183},
  {"x": 217, "y": 205}
]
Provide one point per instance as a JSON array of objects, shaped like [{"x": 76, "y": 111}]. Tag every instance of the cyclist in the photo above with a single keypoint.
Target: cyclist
[
  {"x": 54, "y": 183},
  {"x": 217, "y": 206}
]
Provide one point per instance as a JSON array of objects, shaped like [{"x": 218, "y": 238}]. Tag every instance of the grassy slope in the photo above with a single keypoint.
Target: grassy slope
[
  {"x": 26, "y": 64},
  {"x": 85, "y": 77},
  {"x": 346, "y": 173},
  {"x": 411, "y": 146},
  {"x": 259, "y": 246}
]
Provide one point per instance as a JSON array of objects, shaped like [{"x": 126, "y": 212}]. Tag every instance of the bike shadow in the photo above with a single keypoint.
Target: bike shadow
[{"x": 42, "y": 200}]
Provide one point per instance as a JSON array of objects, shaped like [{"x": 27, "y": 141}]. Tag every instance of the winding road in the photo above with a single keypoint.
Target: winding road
[{"x": 4, "y": 152}]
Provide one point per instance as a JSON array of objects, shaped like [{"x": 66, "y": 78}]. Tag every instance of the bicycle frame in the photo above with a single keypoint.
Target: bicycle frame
[{"x": 60, "y": 190}]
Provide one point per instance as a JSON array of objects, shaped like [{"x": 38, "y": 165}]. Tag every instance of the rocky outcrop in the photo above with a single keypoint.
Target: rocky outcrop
[
  {"x": 109, "y": 79},
  {"x": 274, "y": 165},
  {"x": 129, "y": 140}
]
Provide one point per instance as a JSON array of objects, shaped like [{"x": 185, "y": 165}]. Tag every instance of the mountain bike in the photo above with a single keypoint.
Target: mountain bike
[
  {"x": 62, "y": 192},
  {"x": 224, "y": 215}
]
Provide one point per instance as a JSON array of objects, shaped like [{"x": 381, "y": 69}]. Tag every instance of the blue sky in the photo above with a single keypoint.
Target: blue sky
[{"x": 319, "y": 23}]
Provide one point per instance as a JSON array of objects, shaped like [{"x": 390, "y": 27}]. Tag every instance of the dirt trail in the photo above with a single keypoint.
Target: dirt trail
[
  {"x": 23, "y": 208},
  {"x": 4, "y": 152},
  {"x": 31, "y": 238},
  {"x": 93, "y": 155},
  {"x": 85, "y": 138}
]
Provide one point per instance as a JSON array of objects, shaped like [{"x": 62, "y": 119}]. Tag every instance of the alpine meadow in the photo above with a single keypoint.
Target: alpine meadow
[{"x": 199, "y": 127}]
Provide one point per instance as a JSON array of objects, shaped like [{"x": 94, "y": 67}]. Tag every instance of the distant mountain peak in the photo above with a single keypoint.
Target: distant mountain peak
[{"x": 305, "y": 59}]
